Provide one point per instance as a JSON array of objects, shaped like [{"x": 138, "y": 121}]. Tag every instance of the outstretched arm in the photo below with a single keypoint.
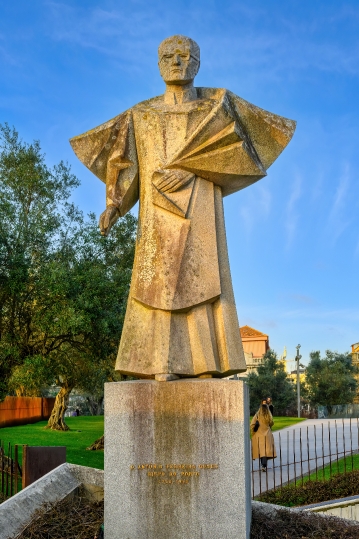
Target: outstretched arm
[{"x": 109, "y": 151}]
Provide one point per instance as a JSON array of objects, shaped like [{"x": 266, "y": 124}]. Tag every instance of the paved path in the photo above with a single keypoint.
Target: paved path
[{"x": 319, "y": 441}]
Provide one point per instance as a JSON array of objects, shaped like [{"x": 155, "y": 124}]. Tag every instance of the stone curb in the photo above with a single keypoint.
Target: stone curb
[{"x": 17, "y": 511}]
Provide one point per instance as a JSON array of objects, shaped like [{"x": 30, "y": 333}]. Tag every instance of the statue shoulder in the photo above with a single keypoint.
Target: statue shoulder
[
  {"x": 148, "y": 103},
  {"x": 94, "y": 147},
  {"x": 217, "y": 94},
  {"x": 88, "y": 145},
  {"x": 269, "y": 132}
]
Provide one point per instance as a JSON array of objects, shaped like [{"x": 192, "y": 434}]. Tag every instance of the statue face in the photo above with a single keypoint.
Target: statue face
[{"x": 177, "y": 62}]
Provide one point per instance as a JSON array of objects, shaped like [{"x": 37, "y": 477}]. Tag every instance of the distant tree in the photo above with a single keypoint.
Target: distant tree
[
  {"x": 330, "y": 380},
  {"x": 85, "y": 294},
  {"x": 63, "y": 287},
  {"x": 92, "y": 388},
  {"x": 34, "y": 209},
  {"x": 271, "y": 380}
]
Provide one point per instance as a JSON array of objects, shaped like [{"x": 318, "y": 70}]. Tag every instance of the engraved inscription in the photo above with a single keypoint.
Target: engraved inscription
[{"x": 173, "y": 474}]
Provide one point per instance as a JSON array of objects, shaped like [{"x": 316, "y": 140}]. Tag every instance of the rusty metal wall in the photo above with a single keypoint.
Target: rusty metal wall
[
  {"x": 23, "y": 410},
  {"x": 38, "y": 461}
]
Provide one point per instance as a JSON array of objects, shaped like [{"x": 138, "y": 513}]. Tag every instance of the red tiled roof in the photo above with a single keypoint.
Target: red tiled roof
[{"x": 247, "y": 331}]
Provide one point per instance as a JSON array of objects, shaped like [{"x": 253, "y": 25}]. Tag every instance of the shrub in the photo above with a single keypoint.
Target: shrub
[{"x": 338, "y": 486}]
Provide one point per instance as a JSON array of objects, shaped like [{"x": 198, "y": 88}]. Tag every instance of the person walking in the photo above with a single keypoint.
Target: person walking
[{"x": 263, "y": 447}]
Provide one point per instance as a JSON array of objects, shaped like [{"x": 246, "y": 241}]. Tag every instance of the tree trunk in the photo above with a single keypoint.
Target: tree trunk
[
  {"x": 95, "y": 405},
  {"x": 98, "y": 445},
  {"x": 56, "y": 421}
]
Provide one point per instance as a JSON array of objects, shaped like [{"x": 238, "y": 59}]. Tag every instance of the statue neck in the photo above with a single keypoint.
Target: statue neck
[{"x": 176, "y": 94}]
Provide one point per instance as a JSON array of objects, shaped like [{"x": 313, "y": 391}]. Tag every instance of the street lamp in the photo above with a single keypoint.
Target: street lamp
[{"x": 297, "y": 358}]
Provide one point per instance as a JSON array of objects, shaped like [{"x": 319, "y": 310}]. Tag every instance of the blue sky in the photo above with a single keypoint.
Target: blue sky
[{"x": 67, "y": 66}]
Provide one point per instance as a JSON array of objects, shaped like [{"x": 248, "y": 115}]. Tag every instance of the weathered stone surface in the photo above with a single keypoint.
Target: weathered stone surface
[
  {"x": 179, "y": 154},
  {"x": 176, "y": 460},
  {"x": 271, "y": 511},
  {"x": 17, "y": 511}
]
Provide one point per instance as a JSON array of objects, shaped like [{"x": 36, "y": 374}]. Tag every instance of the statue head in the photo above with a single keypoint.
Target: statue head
[{"x": 178, "y": 60}]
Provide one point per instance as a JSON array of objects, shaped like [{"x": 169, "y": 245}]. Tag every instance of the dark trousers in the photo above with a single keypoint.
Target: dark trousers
[{"x": 264, "y": 461}]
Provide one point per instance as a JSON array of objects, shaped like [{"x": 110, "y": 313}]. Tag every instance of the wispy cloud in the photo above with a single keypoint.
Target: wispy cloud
[
  {"x": 5, "y": 55},
  {"x": 107, "y": 31},
  {"x": 302, "y": 298},
  {"x": 311, "y": 313},
  {"x": 324, "y": 314},
  {"x": 292, "y": 213},
  {"x": 286, "y": 51},
  {"x": 316, "y": 328},
  {"x": 317, "y": 189},
  {"x": 119, "y": 31},
  {"x": 338, "y": 219},
  {"x": 341, "y": 191},
  {"x": 255, "y": 207},
  {"x": 247, "y": 217},
  {"x": 264, "y": 201}
]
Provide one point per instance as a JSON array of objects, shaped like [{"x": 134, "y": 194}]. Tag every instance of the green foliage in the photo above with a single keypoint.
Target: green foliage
[
  {"x": 271, "y": 380},
  {"x": 78, "y": 517},
  {"x": 63, "y": 287},
  {"x": 338, "y": 486},
  {"x": 284, "y": 524},
  {"x": 33, "y": 209},
  {"x": 330, "y": 380}
]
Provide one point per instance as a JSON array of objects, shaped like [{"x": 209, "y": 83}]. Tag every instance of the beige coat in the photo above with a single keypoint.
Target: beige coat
[{"x": 262, "y": 440}]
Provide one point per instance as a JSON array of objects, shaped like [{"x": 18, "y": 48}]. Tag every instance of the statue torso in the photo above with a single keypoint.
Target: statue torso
[{"x": 176, "y": 263}]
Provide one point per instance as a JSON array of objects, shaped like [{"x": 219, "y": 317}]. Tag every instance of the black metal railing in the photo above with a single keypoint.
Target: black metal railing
[
  {"x": 306, "y": 453},
  {"x": 10, "y": 470}
]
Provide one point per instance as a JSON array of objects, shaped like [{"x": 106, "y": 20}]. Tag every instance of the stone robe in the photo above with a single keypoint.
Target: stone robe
[{"x": 181, "y": 316}]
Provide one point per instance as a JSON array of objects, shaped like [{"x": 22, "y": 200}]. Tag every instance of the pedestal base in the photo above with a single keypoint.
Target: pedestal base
[{"x": 177, "y": 460}]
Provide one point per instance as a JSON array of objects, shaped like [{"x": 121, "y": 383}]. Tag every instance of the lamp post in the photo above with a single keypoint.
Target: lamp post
[{"x": 297, "y": 358}]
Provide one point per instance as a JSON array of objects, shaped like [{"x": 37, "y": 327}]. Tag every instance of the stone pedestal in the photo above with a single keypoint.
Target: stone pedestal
[{"x": 177, "y": 460}]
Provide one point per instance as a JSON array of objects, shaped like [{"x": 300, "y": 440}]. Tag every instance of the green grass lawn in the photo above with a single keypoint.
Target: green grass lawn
[
  {"x": 335, "y": 480},
  {"x": 337, "y": 466},
  {"x": 84, "y": 431},
  {"x": 283, "y": 422}
]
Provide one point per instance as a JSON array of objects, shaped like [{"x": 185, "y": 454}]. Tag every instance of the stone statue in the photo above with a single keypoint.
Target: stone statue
[{"x": 179, "y": 154}]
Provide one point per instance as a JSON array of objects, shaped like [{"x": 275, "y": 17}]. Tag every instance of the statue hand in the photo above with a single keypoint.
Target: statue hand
[
  {"x": 107, "y": 219},
  {"x": 168, "y": 181}
]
